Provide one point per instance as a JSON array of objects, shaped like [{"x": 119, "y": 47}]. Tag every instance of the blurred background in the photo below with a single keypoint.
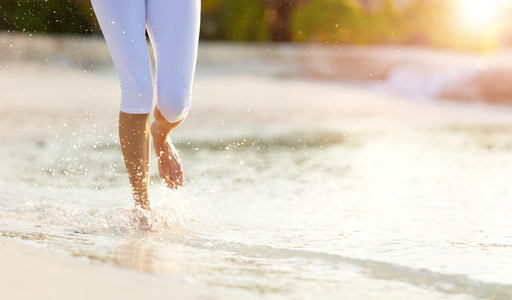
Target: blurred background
[
  {"x": 460, "y": 24},
  {"x": 450, "y": 49}
]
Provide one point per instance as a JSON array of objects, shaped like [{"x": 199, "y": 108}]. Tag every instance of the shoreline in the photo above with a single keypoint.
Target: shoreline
[
  {"x": 32, "y": 273},
  {"x": 415, "y": 72}
]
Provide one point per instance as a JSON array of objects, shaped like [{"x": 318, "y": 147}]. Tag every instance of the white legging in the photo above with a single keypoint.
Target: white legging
[{"x": 173, "y": 29}]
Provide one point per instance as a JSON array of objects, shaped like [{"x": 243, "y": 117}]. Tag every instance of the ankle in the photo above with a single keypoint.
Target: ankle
[
  {"x": 141, "y": 199},
  {"x": 157, "y": 133},
  {"x": 143, "y": 204}
]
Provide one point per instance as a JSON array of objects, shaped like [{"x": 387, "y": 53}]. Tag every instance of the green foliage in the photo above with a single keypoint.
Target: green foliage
[
  {"x": 235, "y": 20},
  {"x": 327, "y": 21},
  {"x": 428, "y": 23},
  {"x": 340, "y": 21},
  {"x": 56, "y": 16},
  {"x": 382, "y": 26}
]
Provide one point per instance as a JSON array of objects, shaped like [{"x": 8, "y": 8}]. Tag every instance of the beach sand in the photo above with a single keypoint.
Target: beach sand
[{"x": 31, "y": 273}]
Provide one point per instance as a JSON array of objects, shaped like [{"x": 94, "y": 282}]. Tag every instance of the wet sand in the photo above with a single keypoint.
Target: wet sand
[{"x": 30, "y": 273}]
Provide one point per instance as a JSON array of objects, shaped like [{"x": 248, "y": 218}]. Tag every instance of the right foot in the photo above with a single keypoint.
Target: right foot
[
  {"x": 169, "y": 165},
  {"x": 142, "y": 219}
]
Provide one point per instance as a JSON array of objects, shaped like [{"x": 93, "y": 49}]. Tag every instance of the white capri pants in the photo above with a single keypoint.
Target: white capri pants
[{"x": 173, "y": 29}]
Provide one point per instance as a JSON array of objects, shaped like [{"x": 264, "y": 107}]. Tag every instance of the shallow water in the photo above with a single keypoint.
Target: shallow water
[{"x": 394, "y": 212}]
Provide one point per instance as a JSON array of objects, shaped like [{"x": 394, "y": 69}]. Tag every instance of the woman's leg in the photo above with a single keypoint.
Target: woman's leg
[
  {"x": 169, "y": 165},
  {"x": 123, "y": 25},
  {"x": 173, "y": 27},
  {"x": 134, "y": 137}
]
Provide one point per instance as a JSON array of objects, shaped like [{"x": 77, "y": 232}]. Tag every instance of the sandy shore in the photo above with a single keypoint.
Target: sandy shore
[
  {"x": 42, "y": 100},
  {"x": 30, "y": 273}
]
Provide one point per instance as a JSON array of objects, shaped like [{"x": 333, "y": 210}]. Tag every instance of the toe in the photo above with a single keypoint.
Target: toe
[{"x": 171, "y": 185}]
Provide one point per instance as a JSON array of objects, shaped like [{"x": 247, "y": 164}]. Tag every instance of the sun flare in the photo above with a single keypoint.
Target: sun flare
[{"x": 482, "y": 15}]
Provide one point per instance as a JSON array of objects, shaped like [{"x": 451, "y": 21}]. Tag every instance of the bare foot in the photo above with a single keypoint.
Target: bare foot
[
  {"x": 142, "y": 219},
  {"x": 169, "y": 164}
]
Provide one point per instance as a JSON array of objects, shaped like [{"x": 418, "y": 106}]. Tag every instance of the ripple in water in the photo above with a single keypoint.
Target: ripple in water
[{"x": 295, "y": 214}]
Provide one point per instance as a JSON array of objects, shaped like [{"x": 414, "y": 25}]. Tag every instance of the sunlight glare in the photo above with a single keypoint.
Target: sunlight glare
[{"x": 482, "y": 15}]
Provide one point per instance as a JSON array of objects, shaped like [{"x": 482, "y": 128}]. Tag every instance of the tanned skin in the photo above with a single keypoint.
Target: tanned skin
[{"x": 134, "y": 134}]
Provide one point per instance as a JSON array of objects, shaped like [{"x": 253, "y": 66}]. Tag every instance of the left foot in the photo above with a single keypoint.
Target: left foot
[{"x": 169, "y": 165}]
